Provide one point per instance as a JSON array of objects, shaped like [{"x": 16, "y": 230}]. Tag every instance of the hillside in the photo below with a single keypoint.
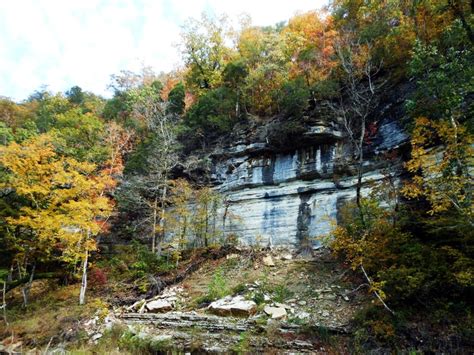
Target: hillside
[{"x": 302, "y": 187}]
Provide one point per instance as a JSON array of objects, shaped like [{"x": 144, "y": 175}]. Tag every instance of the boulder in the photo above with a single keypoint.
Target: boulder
[
  {"x": 137, "y": 305},
  {"x": 287, "y": 256},
  {"x": 96, "y": 336},
  {"x": 275, "y": 312},
  {"x": 159, "y": 306},
  {"x": 233, "y": 306},
  {"x": 268, "y": 261}
]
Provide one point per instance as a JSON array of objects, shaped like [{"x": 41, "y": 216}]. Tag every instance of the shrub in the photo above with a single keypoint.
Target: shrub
[
  {"x": 285, "y": 134},
  {"x": 213, "y": 115},
  {"x": 137, "y": 344},
  {"x": 240, "y": 288},
  {"x": 259, "y": 297},
  {"x": 293, "y": 98},
  {"x": 97, "y": 277},
  {"x": 218, "y": 286},
  {"x": 402, "y": 267},
  {"x": 281, "y": 293}
]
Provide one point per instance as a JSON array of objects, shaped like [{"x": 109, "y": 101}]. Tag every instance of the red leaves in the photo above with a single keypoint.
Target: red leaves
[{"x": 371, "y": 132}]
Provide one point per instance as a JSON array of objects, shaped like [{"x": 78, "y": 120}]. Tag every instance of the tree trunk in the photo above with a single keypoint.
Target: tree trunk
[
  {"x": 82, "y": 294},
  {"x": 183, "y": 233},
  {"x": 20, "y": 273},
  {"x": 26, "y": 289},
  {"x": 4, "y": 303},
  {"x": 10, "y": 274},
  {"x": 206, "y": 230},
  {"x": 153, "y": 232},
  {"x": 162, "y": 221},
  {"x": 224, "y": 219},
  {"x": 374, "y": 291},
  {"x": 359, "y": 171}
]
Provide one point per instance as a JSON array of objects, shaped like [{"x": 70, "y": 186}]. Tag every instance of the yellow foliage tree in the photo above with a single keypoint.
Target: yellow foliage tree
[
  {"x": 64, "y": 203},
  {"x": 442, "y": 162}
]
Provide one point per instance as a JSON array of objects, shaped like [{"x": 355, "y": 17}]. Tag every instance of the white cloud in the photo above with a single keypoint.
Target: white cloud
[{"x": 64, "y": 43}]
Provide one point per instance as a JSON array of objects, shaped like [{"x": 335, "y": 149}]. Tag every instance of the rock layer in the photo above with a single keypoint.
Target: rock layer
[
  {"x": 292, "y": 197},
  {"x": 289, "y": 196}
]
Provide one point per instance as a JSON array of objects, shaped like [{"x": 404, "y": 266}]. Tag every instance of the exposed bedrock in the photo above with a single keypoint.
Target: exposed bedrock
[{"x": 283, "y": 197}]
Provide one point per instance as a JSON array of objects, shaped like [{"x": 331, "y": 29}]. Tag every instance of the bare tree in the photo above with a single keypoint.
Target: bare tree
[
  {"x": 358, "y": 96},
  {"x": 163, "y": 157}
]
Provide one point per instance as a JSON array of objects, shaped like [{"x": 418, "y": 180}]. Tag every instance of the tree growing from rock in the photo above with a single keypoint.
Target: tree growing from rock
[{"x": 358, "y": 96}]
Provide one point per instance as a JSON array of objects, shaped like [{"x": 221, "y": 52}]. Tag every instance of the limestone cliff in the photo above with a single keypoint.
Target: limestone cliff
[
  {"x": 284, "y": 191},
  {"x": 283, "y": 197}
]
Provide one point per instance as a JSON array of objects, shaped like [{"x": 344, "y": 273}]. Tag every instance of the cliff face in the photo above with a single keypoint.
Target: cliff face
[{"x": 285, "y": 196}]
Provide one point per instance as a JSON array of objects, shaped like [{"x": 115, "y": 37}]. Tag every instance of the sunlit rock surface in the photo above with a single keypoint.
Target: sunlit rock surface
[
  {"x": 290, "y": 197},
  {"x": 283, "y": 198}
]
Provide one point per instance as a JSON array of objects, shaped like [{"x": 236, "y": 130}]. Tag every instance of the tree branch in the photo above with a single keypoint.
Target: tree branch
[{"x": 375, "y": 292}]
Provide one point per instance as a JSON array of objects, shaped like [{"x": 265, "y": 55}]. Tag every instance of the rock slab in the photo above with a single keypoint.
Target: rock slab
[
  {"x": 268, "y": 261},
  {"x": 275, "y": 312},
  {"x": 233, "y": 306},
  {"x": 159, "y": 306}
]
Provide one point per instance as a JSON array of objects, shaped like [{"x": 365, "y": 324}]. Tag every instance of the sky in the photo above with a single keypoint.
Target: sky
[{"x": 62, "y": 43}]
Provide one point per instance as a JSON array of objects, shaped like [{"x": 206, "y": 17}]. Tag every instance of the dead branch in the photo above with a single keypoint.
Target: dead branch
[
  {"x": 375, "y": 292},
  {"x": 358, "y": 288}
]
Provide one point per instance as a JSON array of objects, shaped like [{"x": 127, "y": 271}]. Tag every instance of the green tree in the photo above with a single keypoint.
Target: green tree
[
  {"x": 204, "y": 223},
  {"x": 214, "y": 114},
  {"x": 176, "y": 99},
  {"x": 445, "y": 78},
  {"x": 48, "y": 106},
  {"x": 6, "y": 134},
  {"x": 75, "y": 95},
  {"x": 180, "y": 215},
  {"x": 234, "y": 76},
  {"x": 204, "y": 51},
  {"x": 81, "y": 136},
  {"x": 264, "y": 54},
  {"x": 294, "y": 97}
]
